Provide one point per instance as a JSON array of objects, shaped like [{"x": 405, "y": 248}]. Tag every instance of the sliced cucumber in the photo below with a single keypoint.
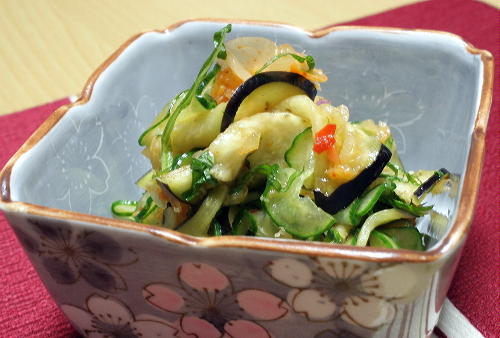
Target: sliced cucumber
[
  {"x": 265, "y": 227},
  {"x": 147, "y": 211},
  {"x": 123, "y": 208},
  {"x": 160, "y": 121},
  {"x": 368, "y": 201},
  {"x": 199, "y": 224},
  {"x": 244, "y": 223},
  {"x": 400, "y": 223},
  {"x": 236, "y": 196},
  {"x": 347, "y": 215},
  {"x": 299, "y": 216},
  {"x": 300, "y": 155},
  {"x": 336, "y": 234},
  {"x": 377, "y": 219},
  {"x": 351, "y": 240},
  {"x": 178, "y": 181},
  {"x": 196, "y": 127},
  {"x": 144, "y": 206},
  {"x": 405, "y": 190},
  {"x": 216, "y": 228},
  {"x": 182, "y": 159},
  {"x": 406, "y": 238},
  {"x": 341, "y": 232},
  {"x": 381, "y": 240},
  {"x": 360, "y": 207},
  {"x": 396, "y": 202},
  {"x": 154, "y": 216},
  {"x": 146, "y": 180},
  {"x": 262, "y": 139}
]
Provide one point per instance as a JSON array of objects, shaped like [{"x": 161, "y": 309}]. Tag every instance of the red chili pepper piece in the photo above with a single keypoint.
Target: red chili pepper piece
[{"x": 325, "y": 138}]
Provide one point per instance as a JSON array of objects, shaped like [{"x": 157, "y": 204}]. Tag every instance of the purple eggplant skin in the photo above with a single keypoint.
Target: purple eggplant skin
[
  {"x": 431, "y": 181},
  {"x": 348, "y": 192},
  {"x": 261, "y": 79}
]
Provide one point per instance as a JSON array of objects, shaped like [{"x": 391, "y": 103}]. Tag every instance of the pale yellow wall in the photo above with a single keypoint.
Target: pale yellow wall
[{"x": 49, "y": 48}]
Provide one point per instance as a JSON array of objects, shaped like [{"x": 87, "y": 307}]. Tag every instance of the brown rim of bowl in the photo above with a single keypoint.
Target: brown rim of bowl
[{"x": 452, "y": 240}]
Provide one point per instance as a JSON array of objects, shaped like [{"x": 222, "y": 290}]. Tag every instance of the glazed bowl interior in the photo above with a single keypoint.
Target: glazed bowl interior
[{"x": 425, "y": 85}]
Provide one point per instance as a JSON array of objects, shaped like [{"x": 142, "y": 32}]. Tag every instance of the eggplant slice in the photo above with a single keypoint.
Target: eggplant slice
[
  {"x": 348, "y": 192},
  {"x": 431, "y": 181},
  {"x": 261, "y": 79}
]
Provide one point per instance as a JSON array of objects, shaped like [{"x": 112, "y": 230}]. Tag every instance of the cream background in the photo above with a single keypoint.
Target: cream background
[{"x": 48, "y": 48}]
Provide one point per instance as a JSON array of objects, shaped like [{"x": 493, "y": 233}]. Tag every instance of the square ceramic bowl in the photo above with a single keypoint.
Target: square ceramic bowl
[{"x": 116, "y": 277}]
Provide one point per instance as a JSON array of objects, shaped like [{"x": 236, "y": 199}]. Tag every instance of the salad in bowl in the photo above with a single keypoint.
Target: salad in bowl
[{"x": 252, "y": 149}]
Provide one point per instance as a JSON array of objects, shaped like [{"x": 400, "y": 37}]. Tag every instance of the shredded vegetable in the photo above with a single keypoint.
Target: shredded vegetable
[{"x": 251, "y": 150}]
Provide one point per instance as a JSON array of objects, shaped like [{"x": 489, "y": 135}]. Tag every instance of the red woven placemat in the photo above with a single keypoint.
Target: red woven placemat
[{"x": 26, "y": 309}]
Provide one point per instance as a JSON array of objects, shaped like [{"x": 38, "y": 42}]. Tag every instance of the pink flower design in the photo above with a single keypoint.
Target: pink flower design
[{"x": 209, "y": 306}]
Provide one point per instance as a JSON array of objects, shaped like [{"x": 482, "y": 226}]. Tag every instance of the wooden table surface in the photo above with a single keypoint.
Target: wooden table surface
[{"x": 48, "y": 48}]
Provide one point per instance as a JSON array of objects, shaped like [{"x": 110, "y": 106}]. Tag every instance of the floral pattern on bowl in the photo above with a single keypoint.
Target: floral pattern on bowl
[
  {"x": 209, "y": 306},
  {"x": 109, "y": 317},
  {"x": 69, "y": 255}
]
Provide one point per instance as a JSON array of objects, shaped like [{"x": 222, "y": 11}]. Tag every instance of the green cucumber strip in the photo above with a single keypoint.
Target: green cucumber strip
[
  {"x": 368, "y": 201},
  {"x": 167, "y": 109},
  {"x": 145, "y": 181},
  {"x": 236, "y": 197},
  {"x": 394, "y": 167},
  {"x": 347, "y": 216},
  {"x": 206, "y": 100},
  {"x": 216, "y": 228},
  {"x": 209, "y": 77},
  {"x": 144, "y": 210},
  {"x": 351, "y": 240},
  {"x": 149, "y": 212},
  {"x": 400, "y": 223},
  {"x": 265, "y": 227},
  {"x": 299, "y": 216},
  {"x": 200, "y": 168},
  {"x": 381, "y": 240},
  {"x": 331, "y": 236},
  {"x": 394, "y": 201},
  {"x": 377, "y": 219},
  {"x": 199, "y": 224},
  {"x": 308, "y": 59},
  {"x": 243, "y": 223},
  {"x": 400, "y": 173},
  {"x": 406, "y": 238},
  {"x": 153, "y": 216},
  {"x": 270, "y": 171},
  {"x": 300, "y": 155},
  {"x": 178, "y": 181},
  {"x": 182, "y": 159},
  {"x": 341, "y": 232},
  {"x": 166, "y": 155},
  {"x": 123, "y": 208}
]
